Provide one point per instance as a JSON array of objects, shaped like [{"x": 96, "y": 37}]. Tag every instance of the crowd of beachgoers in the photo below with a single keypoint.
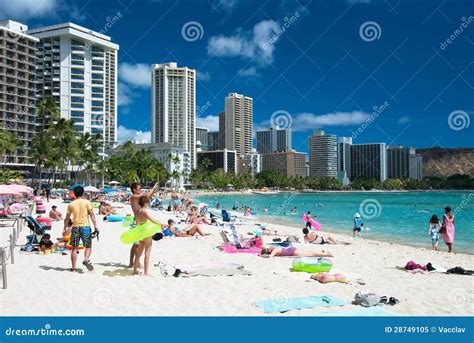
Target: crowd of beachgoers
[{"x": 152, "y": 216}]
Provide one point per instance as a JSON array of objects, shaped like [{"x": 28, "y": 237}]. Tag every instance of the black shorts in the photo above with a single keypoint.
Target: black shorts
[
  {"x": 357, "y": 229},
  {"x": 81, "y": 233}
]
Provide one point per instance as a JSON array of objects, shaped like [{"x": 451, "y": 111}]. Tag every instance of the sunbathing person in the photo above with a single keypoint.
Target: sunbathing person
[
  {"x": 313, "y": 238},
  {"x": 55, "y": 215},
  {"x": 190, "y": 231},
  {"x": 105, "y": 209},
  {"x": 291, "y": 251}
]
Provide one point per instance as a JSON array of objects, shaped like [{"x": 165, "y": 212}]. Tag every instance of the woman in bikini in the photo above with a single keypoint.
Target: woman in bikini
[
  {"x": 145, "y": 244},
  {"x": 291, "y": 251},
  {"x": 313, "y": 238},
  {"x": 190, "y": 231}
]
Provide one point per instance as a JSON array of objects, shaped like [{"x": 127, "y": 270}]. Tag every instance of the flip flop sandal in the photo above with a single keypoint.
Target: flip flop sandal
[
  {"x": 383, "y": 300},
  {"x": 88, "y": 265},
  {"x": 393, "y": 301},
  {"x": 72, "y": 270}
]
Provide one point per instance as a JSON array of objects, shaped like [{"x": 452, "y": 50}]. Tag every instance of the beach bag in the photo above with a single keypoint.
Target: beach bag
[{"x": 443, "y": 228}]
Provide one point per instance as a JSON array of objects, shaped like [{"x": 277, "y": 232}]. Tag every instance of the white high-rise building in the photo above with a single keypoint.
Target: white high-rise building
[
  {"x": 322, "y": 155},
  {"x": 17, "y": 88},
  {"x": 238, "y": 118},
  {"x": 173, "y": 107},
  {"x": 77, "y": 68}
]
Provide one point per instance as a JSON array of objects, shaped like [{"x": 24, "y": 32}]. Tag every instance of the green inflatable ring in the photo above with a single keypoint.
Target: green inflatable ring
[
  {"x": 95, "y": 204},
  {"x": 140, "y": 232},
  {"x": 312, "y": 265}
]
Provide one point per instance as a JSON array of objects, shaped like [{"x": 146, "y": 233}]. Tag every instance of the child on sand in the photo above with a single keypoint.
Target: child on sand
[
  {"x": 45, "y": 243},
  {"x": 433, "y": 231},
  {"x": 308, "y": 220},
  {"x": 357, "y": 225}
]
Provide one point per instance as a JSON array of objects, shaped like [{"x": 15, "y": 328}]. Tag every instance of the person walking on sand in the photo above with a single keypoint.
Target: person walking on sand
[
  {"x": 175, "y": 202},
  {"x": 433, "y": 231},
  {"x": 308, "y": 220},
  {"x": 144, "y": 246},
  {"x": 80, "y": 210},
  {"x": 136, "y": 194},
  {"x": 448, "y": 228},
  {"x": 357, "y": 225}
]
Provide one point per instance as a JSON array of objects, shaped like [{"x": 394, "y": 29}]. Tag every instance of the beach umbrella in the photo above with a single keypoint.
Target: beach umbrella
[
  {"x": 91, "y": 189},
  {"x": 109, "y": 190},
  {"x": 114, "y": 183},
  {"x": 73, "y": 187},
  {"x": 22, "y": 189},
  {"x": 8, "y": 190}
]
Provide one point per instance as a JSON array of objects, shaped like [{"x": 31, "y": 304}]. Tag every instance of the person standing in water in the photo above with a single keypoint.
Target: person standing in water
[
  {"x": 448, "y": 231},
  {"x": 357, "y": 225},
  {"x": 136, "y": 194},
  {"x": 433, "y": 231}
]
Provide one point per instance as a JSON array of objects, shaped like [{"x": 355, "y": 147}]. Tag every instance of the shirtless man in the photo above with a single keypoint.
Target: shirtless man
[{"x": 136, "y": 194}]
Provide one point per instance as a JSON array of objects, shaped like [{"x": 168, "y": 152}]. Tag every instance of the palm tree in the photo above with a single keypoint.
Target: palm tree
[
  {"x": 41, "y": 152},
  {"x": 8, "y": 144},
  {"x": 48, "y": 112}
]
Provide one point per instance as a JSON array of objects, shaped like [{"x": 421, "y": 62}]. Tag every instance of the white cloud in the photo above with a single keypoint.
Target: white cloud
[
  {"x": 124, "y": 134},
  {"x": 252, "y": 71},
  {"x": 125, "y": 94},
  {"x": 210, "y": 122},
  {"x": 26, "y": 9},
  {"x": 310, "y": 121},
  {"x": 253, "y": 44},
  {"x": 203, "y": 76},
  {"x": 404, "y": 120},
  {"x": 138, "y": 75}
]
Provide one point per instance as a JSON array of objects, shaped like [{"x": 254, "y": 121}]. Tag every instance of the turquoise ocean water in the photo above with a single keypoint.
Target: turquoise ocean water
[{"x": 391, "y": 216}]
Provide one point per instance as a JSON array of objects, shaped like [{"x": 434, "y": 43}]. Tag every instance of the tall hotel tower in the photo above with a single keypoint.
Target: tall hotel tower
[
  {"x": 77, "y": 68},
  {"x": 173, "y": 107},
  {"x": 238, "y": 123},
  {"x": 322, "y": 155},
  {"x": 17, "y": 88}
]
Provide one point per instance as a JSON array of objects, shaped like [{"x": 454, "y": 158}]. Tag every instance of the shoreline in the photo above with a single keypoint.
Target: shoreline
[
  {"x": 277, "y": 220},
  {"x": 251, "y": 192}
]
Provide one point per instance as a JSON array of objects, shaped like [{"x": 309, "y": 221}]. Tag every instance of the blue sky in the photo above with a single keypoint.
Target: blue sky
[{"x": 312, "y": 64}]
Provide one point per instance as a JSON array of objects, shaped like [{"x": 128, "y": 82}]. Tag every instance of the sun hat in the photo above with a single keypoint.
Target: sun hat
[{"x": 357, "y": 215}]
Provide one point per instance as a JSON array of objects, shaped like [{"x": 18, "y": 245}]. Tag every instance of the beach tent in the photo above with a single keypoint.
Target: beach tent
[
  {"x": 109, "y": 190},
  {"x": 91, "y": 189}
]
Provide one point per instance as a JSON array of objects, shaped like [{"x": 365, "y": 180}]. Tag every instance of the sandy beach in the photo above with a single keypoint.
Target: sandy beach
[{"x": 42, "y": 285}]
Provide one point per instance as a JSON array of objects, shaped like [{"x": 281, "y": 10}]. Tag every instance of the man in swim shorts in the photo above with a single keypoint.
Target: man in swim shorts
[{"x": 80, "y": 210}]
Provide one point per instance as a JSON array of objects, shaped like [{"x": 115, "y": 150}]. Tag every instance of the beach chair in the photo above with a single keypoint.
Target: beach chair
[
  {"x": 37, "y": 230},
  {"x": 227, "y": 217},
  {"x": 230, "y": 236}
]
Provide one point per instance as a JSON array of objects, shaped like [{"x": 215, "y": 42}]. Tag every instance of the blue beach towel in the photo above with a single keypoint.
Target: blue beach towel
[{"x": 284, "y": 305}]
